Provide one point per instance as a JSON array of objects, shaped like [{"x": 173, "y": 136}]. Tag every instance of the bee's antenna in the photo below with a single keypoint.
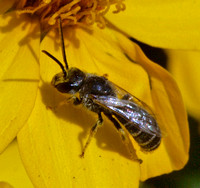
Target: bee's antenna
[
  {"x": 62, "y": 43},
  {"x": 57, "y": 61}
]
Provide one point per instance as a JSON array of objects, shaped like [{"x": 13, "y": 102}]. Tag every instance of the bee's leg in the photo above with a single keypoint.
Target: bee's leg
[
  {"x": 76, "y": 100},
  {"x": 93, "y": 131},
  {"x": 117, "y": 126},
  {"x": 125, "y": 138}
]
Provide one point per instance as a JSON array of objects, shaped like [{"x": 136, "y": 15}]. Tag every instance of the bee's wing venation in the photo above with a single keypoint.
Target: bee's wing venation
[{"x": 129, "y": 111}]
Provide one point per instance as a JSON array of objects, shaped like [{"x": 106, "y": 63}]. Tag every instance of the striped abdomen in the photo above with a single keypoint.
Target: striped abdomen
[
  {"x": 147, "y": 141},
  {"x": 143, "y": 127}
]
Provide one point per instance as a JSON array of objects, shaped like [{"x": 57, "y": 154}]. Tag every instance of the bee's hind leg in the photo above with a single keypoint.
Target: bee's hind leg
[
  {"x": 93, "y": 131},
  {"x": 125, "y": 138}
]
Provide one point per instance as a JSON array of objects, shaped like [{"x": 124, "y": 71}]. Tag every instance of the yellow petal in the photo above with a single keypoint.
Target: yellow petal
[
  {"x": 168, "y": 24},
  {"x": 185, "y": 67},
  {"x": 52, "y": 140},
  {"x": 19, "y": 75},
  {"x": 170, "y": 113},
  {"x": 12, "y": 171}
]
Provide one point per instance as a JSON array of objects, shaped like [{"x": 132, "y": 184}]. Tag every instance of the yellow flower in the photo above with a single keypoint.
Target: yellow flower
[{"x": 50, "y": 139}]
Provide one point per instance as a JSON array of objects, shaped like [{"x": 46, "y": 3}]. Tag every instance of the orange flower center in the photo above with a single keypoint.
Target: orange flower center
[{"x": 72, "y": 12}]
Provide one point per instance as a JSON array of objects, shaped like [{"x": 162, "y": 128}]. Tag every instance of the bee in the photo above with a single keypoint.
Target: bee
[{"x": 101, "y": 96}]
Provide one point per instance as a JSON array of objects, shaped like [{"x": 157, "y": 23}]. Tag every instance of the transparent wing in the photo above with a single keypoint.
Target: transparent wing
[
  {"x": 130, "y": 111},
  {"x": 123, "y": 94}
]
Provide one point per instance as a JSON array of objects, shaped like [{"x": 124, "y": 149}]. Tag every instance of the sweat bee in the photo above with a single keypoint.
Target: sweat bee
[{"x": 101, "y": 96}]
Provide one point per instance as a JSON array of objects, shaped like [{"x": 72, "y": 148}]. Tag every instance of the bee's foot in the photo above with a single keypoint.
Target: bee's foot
[{"x": 82, "y": 155}]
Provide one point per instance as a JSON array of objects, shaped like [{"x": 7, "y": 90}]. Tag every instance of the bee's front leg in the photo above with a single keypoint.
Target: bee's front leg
[
  {"x": 73, "y": 98},
  {"x": 93, "y": 131}
]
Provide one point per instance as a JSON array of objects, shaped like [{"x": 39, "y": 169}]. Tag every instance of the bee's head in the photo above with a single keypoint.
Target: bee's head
[{"x": 69, "y": 82}]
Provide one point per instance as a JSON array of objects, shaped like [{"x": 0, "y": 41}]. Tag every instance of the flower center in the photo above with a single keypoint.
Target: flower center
[{"x": 72, "y": 12}]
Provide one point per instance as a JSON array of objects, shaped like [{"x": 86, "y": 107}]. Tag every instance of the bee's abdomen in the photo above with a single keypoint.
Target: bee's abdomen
[{"x": 147, "y": 141}]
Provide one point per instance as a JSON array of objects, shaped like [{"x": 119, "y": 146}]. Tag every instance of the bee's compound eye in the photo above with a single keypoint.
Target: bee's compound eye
[{"x": 64, "y": 87}]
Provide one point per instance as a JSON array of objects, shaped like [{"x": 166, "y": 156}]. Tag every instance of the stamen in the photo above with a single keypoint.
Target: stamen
[
  {"x": 119, "y": 7},
  {"x": 68, "y": 15},
  {"x": 62, "y": 10},
  {"x": 72, "y": 12},
  {"x": 32, "y": 11}
]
